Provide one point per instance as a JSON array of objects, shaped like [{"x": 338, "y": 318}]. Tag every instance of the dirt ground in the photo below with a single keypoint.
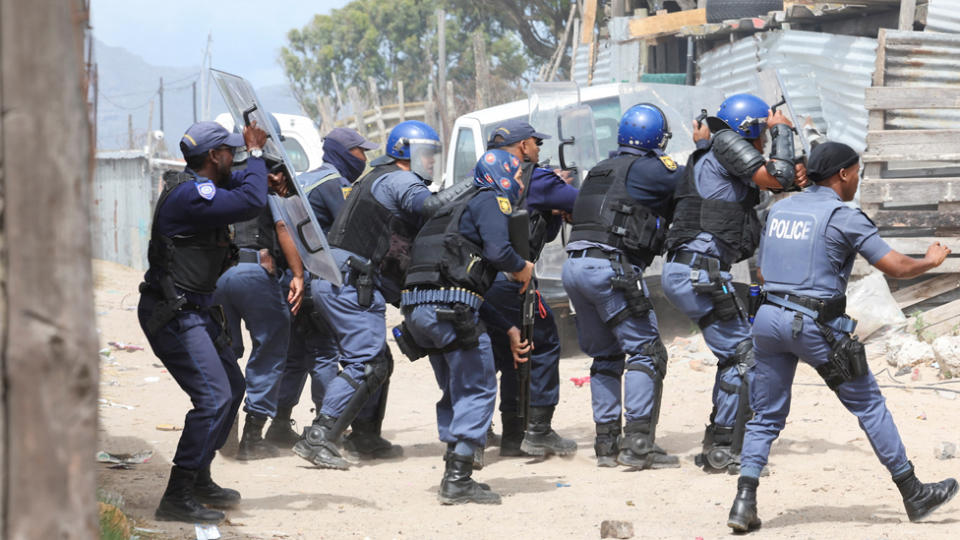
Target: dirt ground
[{"x": 824, "y": 481}]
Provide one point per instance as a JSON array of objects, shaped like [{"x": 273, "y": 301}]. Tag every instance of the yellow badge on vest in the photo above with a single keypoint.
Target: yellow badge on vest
[
  {"x": 346, "y": 191},
  {"x": 668, "y": 162},
  {"x": 505, "y": 205}
]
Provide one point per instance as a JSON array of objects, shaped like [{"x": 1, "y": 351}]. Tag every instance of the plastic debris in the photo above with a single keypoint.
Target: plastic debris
[
  {"x": 580, "y": 381},
  {"x": 206, "y": 532},
  {"x": 142, "y": 456},
  {"x": 946, "y": 395},
  {"x": 561, "y": 484},
  {"x": 108, "y": 403},
  {"x": 616, "y": 529},
  {"x": 121, "y": 346},
  {"x": 168, "y": 427},
  {"x": 151, "y": 379},
  {"x": 922, "y": 416},
  {"x": 916, "y": 374},
  {"x": 945, "y": 450}
]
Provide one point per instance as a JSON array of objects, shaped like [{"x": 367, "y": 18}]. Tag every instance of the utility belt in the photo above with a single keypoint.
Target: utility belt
[
  {"x": 624, "y": 279},
  {"x": 848, "y": 358},
  {"x": 453, "y": 305},
  {"x": 169, "y": 305},
  {"x": 726, "y": 303}
]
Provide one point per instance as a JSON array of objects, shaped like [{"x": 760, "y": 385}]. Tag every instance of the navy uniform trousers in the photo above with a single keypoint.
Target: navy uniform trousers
[{"x": 777, "y": 353}]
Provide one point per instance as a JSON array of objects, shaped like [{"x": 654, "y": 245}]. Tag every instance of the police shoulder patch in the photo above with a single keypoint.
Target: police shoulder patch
[
  {"x": 346, "y": 191},
  {"x": 504, "y": 205},
  {"x": 668, "y": 162},
  {"x": 206, "y": 190}
]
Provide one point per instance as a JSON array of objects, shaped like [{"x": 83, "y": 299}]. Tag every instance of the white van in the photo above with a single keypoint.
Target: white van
[{"x": 301, "y": 139}]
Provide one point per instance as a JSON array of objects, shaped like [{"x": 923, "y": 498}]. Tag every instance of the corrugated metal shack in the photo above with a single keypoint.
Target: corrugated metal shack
[{"x": 125, "y": 187}]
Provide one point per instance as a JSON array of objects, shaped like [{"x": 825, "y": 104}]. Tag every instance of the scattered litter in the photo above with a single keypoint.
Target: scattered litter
[
  {"x": 630, "y": 503},
  {"x": 148, "y": 531},
  {"x": 945, "y": 450},
  {"x": 916, "y": 374},
  {"x": 168, "y": 427},
  {"x": 130, "y": 308},
  {"x": 142, "y": 456},
  {"x": 580, "y": 381},
  {"x": 102, "y": 313},
  {"x": 696, "y": 364},
  {"x": 108, "y": 403},
  {"x": 156, "y": 365},
  {"x": 121, "y": 346},
  {"x": 946, "y": 395},
  {"x": 151, "y": 379},
  {"x": 206, "y": 532},
  {"x": 903, "y": 371},
  {"x": 616, "y": 529},
  {"x": 923, "y": 416},
  {"x": 561, "y": 484}
]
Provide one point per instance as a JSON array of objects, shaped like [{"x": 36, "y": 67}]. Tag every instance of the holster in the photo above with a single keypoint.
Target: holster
[
  {"x": 167, "y": 308},
  {"x": 461, "y": 317},
  {"x": 638, "y": 304},
  {"x": 408, "y": 346},
  {"x": 726, "y": 303},
  {"x": 361, "y": 277},
  {"x": 847, "y": 359},
  {"x": 223, "y": 339}
]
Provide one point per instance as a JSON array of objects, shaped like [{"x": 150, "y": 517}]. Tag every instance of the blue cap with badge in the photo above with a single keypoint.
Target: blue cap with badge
[
  {"x": 204, "y": 136},
  {"x": 513, "y": 131}
]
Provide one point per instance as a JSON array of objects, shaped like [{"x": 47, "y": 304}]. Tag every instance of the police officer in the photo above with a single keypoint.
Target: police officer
[
  {"x": 370, "y": 240},
  {"x": 548, "y": 198},
  {"x": 807, "y": 251},
  {"x": 251, "y": 292},
  {"x": 189, "y": 249},
  {"x": 619, "y": 222},
  {"x": 455, "y": 259},
  {"x": 313, "y": 347},
  {"x": 715, "y": 224}
]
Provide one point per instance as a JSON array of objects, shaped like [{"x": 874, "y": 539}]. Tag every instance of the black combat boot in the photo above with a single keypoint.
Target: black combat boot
[
  {"x": 637, "y": 449},
  {"x": 607, "y": 443},
  {"x": 206, "y": 491},
  {"x": 365, "y": 442},
  {"x": 447, "y": 460},
  {"x": 743, "y": 513},
  {"x": 252, "y": 445},
  {"x": 717, "y": 455},
  {"x": 178, "y": 502},
  {"x": 281, "y": 432},
  {"x": 457, "y": 487},
  {"x": 319, "y": 447},
  {"x": 541, "y": 440},
  {"x": 512, "y": 437},
  {"x": 921, "y": 499}
]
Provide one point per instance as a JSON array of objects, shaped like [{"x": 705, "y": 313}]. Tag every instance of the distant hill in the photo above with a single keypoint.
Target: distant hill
[{"x": 128, "y": 86}]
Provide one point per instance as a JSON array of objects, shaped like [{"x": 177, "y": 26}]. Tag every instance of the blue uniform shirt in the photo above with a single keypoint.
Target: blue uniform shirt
[
  {"x": 328, "y": 198},
  {"x": 548, "y": 192}
]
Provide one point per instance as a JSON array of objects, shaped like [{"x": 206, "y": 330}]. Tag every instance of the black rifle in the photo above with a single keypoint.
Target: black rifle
[{"x": 520, "y": 239}]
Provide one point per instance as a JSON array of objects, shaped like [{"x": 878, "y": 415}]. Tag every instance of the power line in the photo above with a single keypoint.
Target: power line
[{"x": 127, "y": 108}]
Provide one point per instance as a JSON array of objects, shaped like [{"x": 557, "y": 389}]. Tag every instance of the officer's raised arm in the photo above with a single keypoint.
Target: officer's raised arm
[{"x": 900, "y": 266}]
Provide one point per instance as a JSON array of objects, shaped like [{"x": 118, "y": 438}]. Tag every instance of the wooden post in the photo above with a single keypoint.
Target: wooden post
[
  {"x": 442, "y": 70},
  {"x": 336, "y": 91},
  {"x": 908, "y": 10},
  {"x": 48, "y": 342},
  {"x": 327, "y": 118},
  {"x": 375, "y": 101},
  {"x": 481, "y": 70},
  {"x": 354, "y": 97},
  {"x": 401, "y": 106},
  {"x": 588, "y": 35},
  {"x": 575, "y": 48},
  {"x": 430, "y": 108}
]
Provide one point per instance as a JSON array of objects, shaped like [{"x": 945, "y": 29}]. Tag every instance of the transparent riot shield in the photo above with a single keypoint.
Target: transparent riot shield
[
  {"x": 294, "y": 210},
  {"x": 546, "y": 100},
  {"x": 680, "y": 104},
  {"x": 578, "y": 150}
]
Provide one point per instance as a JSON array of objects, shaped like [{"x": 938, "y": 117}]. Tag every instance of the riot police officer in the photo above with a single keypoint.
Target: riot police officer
[
  {"x": 189, "y": 249},
  {"x": 715, "y": 224},
  {"x": 548, "y": 198},
  {"x": 455, "y": 258},
  {"x": 251, "y": 292},
  {"x": 370, "y": 239},
  {"x": 807, "y": 251},
  {"x": 619, "y": 222}
]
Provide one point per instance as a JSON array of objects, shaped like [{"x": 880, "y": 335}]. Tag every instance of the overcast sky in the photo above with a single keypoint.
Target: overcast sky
[{"x": 247, "y": 34}]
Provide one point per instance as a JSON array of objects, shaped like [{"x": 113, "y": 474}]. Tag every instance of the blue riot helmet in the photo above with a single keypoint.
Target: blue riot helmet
[
  {"x": 419, "y": 143},
  {"x": 744, "y": 113},
  {"x": 643, "y": 126}
]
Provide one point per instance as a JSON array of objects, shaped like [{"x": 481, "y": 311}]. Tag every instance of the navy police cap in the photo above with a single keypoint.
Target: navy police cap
[
  {"x": 513, "y": 131},
  {"x": 204, "y": 136}
]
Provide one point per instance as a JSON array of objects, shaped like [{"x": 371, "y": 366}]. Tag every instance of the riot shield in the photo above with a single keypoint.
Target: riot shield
[
  {"x": 577, "y": 137},
  {"x": 546, "y": 100},
  {"x": 294, "y": 210},
  {"x": 680, "y": 104}
]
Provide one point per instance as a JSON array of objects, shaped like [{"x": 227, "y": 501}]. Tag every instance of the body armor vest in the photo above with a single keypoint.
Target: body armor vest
[
  {"x": 368, "y": 229},
  {"x": 735, "y": 223},
  {"x": 794, "y": 257},
  {"x": 539, "y": 219},
  {"x": 605, "y": 213},
  {"x": 194, "y": 261},
  {"x": 442, "y": 257},
  {"x": 259, "y": 233}
]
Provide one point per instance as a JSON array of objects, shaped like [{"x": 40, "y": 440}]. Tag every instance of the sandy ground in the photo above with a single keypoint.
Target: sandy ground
[{"x": 824, "y": 481}]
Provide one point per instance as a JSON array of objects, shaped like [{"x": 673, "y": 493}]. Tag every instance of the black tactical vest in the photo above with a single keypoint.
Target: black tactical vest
[
  {"x": 735, "y": 223},
  {"x": 259, "y": 233},
  {"x": 368, "y": 229},
  {"x": 539, "y": 219},
  {"x": 605, "y": 213},
  {"x": 194, "y": 261},
  {"x": 442, "y": 257}
]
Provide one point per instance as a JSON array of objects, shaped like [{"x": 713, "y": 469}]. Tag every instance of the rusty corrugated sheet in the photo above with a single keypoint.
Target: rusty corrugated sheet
[{"x": 918, "y": 59}]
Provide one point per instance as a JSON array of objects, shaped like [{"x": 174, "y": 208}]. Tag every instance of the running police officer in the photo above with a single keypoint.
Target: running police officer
[
  {"x": 370, "y": 239},
  {"x": 548, "y": 198},
  {"x": 313, "y": 347},
  {"x": 251, "y": 292},
  {"x": 619, "y": 223},
  {"x": 807, "y": 250},
  {"x": 715, "y": 224},
  {"x": 189, "y": 249},
  {"x": 455, "y": 259}
]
